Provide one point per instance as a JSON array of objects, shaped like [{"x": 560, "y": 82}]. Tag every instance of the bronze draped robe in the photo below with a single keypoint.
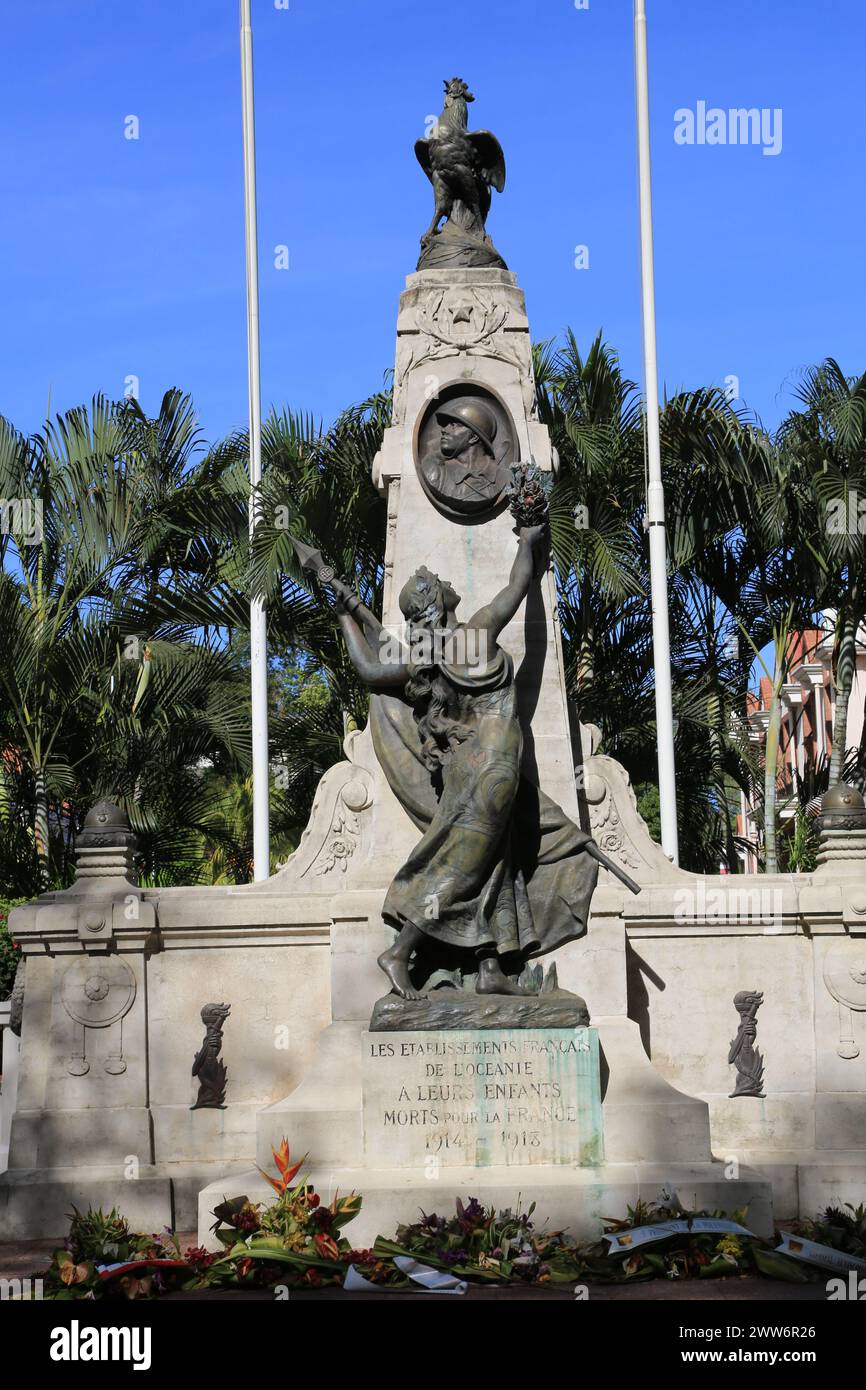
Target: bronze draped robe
[{"x": 499, "y": 864}]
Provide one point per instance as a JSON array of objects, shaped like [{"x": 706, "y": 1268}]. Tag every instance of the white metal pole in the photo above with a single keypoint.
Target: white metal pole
[
  {"x": 258, "y": 617},
  {"x": 655, "y": 512}
]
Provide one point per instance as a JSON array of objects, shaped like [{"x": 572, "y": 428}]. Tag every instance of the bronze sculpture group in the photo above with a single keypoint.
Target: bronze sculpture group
[{"x": 500, "y": 874}]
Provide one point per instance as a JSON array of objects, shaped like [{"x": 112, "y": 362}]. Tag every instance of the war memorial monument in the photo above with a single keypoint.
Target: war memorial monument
[{"x": 477, "y": 973}]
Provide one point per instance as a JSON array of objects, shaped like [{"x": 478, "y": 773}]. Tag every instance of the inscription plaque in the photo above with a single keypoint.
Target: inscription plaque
[{"x": 482, "y": 1098}]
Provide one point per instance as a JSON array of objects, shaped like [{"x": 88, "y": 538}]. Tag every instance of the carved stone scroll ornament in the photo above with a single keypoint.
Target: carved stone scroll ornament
[
  {"x": 845, "y": 978},
  {"x": 606, "y": 823},
  {"x": 334, "y": 830},
  {"x": 345, "y": 830},
  {"x": 615, "y": 822}
]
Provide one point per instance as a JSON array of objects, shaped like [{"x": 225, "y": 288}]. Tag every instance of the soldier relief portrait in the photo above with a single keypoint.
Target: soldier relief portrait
[{"x": 464, "y": 452}]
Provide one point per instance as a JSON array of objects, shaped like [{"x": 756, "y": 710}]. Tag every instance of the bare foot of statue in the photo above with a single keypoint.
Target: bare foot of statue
[
  {"x": 491, "y": 979},
  {"x": 397, "y": 970}
]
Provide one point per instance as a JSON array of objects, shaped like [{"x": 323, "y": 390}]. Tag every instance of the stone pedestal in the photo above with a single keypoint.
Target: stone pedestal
[
  {"x": 566, "y": 1197},
  {"x": 632, "y": 1133}
]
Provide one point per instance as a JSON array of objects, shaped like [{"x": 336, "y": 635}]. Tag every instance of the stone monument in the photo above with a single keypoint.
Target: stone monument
[
  {"x": 571, "y": 1038},
  {"x": 479, "y": 1067}
]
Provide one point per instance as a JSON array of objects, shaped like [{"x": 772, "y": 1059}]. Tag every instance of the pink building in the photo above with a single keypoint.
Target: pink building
[{"x": 808, "y": 713}]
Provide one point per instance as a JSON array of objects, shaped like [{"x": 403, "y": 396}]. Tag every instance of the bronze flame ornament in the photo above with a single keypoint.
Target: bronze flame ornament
[{"x": 208, "y": 1067}]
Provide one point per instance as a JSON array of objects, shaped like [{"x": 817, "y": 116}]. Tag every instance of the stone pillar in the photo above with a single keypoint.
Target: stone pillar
[
  {"x": 462, "y": 331},
  {"x": 792, "y": 694},
  {"x": 811, "y": 675},
  {"x": 82, "y": 1128}
]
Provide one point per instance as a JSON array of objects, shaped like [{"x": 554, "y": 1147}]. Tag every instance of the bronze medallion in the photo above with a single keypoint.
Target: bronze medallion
[{"x": 465, "y": 450}]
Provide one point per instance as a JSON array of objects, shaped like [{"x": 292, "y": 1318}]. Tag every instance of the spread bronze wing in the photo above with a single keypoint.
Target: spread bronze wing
[
  {"x": 422, "y": 154},
  {"x": 489, "y": 151}
]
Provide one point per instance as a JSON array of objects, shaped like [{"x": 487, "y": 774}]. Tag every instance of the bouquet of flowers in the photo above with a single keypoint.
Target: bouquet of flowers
[
  {"x": 838, "y": 1229},
  {"x": 295, "y": 1241},
  {"x": 683, "y": 1254},
  {"x": 481, "y": 1244},
  {"x": 528, "y": 494},
  {"x": 102, "y": 1257}
]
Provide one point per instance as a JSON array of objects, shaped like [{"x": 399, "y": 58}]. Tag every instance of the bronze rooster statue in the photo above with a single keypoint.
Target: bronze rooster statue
[{"x": 462, "y": 165}]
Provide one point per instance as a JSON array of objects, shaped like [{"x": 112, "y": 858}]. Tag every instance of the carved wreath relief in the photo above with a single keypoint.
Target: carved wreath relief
[{"x": 464, "y": 321}]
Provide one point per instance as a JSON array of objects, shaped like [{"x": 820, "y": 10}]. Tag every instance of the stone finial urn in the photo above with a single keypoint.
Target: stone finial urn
[
  {"x": 843, "y": 830},
  {"x": 105, "y": 849}
]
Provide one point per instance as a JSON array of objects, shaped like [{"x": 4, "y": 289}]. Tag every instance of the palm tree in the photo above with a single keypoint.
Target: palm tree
[
  {"x": 317, "y": 487},
  {"x": 101, "y": 689},
  {"x": 703, "y": 441},
  {"x": 600, "y": 550},
  {"x": 593, "y": 414}
]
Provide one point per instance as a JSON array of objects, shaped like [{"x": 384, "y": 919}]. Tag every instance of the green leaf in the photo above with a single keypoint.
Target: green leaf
[{"x": 777, "y": 1266}]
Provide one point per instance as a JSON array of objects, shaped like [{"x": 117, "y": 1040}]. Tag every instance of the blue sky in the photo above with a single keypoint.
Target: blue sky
[{"x": 125, "y": 257}]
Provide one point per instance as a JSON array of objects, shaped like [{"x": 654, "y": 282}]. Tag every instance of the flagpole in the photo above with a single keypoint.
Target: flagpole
[
  {"x": 655, "y": 512},
  {"x": 258, "y": 616}
]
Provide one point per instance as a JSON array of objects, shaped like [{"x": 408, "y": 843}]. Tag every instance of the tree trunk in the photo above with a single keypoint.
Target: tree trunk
[
  {"x": 40, "y": 830},
  {"x": 771, "y": 756},
  {"x": 717, "y": 754},
  {"x": 845, "y": 666}
]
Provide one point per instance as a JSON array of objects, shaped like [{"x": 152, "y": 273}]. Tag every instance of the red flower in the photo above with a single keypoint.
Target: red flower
[
  {"x": 197, "y": 1255},
  {"x": 244, "y": 1266},
  {"x": 287, "y": 1170},
  {"x": 327, "y": 1247}
]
